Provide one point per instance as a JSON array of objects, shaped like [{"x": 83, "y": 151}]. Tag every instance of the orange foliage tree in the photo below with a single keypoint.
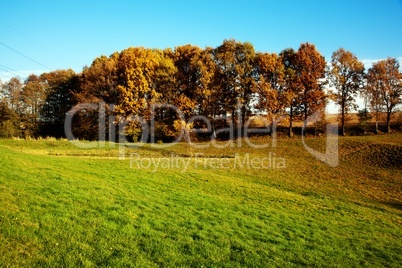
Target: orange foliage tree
[
  {"x": 346, "y": 75},
  {"x": 384, "y": 86},
  {"x": 308, "y": 81}
]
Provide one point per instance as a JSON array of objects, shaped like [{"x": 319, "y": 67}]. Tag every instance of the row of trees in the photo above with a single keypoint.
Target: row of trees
[
  {"x": 381, "y": 86},
  {"x": 226, "y": 84},
  {"x": 37, "y": 106}
]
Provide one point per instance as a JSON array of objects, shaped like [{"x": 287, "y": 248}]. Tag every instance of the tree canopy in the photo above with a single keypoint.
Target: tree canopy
[
  {"x": 346, "y": 76},
  {"x": 226, "y": 85}
]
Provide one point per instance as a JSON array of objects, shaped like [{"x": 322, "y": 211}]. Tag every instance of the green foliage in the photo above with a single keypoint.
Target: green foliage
[
  {"x": 9, "y": 129},
  {"x": 364, "y": 119},
  {"x": 9, "y": 122}
]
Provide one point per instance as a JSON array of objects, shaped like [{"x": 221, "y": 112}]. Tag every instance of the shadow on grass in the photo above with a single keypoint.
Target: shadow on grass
[{"x": 393, "y": 205}]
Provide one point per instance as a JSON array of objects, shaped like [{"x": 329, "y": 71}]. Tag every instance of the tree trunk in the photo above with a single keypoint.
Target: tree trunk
[
  {"x": 213, "y": 135},
  {"x": 233, "y": 117},
  {"x": 291, "y": 122},
  {"x": 343, "y": 122},
  {"x": 243, "y": 120},
  {"x": 304, "y": 132},
  {"x": 388, "y": 122}
]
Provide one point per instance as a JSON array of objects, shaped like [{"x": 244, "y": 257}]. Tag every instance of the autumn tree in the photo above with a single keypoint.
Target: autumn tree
[
  {"x": 309, "y": 81},
  {"x": 226, "y": 79},
  {"x": 229, "y": 80},
  {"x": 141, "y": 74},
  {"x": 33, "y": 97},
  {"x": 12, "y": 93},
  {"x": 9, "y": 121},
  {"x": 207, "y": 99},
  {"x": 59, "y": 86},
  {"x": 21, "y": 105},
  {"x": 184, "y": 93},
  {"x": 346, "y": 76},
  {"x": 372, "y": 97},
  {"x": 272, "y": 96},
  {"x": 287, "y": 57},
  {"x": 245, "y": 58},
  {"x": 11, "y": 107},
  {"x": 193, "y": 93},
  {"x": 135, "y": 66},
  {"x": 234, "y": 76},
  {"x": 164, "y": 79},
  {"x": 97, "y": 84},
  {"x": 384, "y": 85},
  {"x": 164, "y": 82}
]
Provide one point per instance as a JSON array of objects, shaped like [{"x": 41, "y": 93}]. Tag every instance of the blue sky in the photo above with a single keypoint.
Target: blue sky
[{"x": 70, "y": 34}]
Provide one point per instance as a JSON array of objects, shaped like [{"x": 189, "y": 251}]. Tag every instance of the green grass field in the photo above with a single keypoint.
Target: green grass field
[{"x": 62, "y": 206}]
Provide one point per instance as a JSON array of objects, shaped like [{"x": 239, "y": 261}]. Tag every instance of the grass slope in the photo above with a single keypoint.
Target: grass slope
[{"x": 65, "y": 206}]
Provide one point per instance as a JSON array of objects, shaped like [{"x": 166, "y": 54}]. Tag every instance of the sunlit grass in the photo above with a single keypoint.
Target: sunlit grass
[{"x": 66, "y": 206}]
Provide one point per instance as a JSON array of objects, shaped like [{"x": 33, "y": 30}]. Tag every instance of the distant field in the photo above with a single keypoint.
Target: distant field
[
  {"x": 352, "y": 118},
  {"x": 62, "y": 206},
  {"x": 352, "y": 122}
]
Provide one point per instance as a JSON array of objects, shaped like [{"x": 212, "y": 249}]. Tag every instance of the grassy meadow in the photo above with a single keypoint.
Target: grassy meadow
[{"x": 64, "y": 206}]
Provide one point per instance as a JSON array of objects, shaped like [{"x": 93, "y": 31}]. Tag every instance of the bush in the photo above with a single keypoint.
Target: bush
[{"x": 364, "y": 119}]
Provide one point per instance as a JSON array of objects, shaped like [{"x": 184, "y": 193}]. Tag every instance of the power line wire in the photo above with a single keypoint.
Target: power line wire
[
  {"x": 11, "y": 71},
  {"x": 7, "y": 68},
  {"x": 25, "y": 56},
  {"x": 27, "y": 37},
  {"x": 36, "y": 43}
]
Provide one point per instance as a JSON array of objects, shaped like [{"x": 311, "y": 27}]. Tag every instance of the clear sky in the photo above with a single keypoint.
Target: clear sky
[{"x": 38, "y": 36}]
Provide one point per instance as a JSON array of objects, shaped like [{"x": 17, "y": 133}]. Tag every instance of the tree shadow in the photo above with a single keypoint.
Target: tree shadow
[{"x": 393, "y": 205}]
